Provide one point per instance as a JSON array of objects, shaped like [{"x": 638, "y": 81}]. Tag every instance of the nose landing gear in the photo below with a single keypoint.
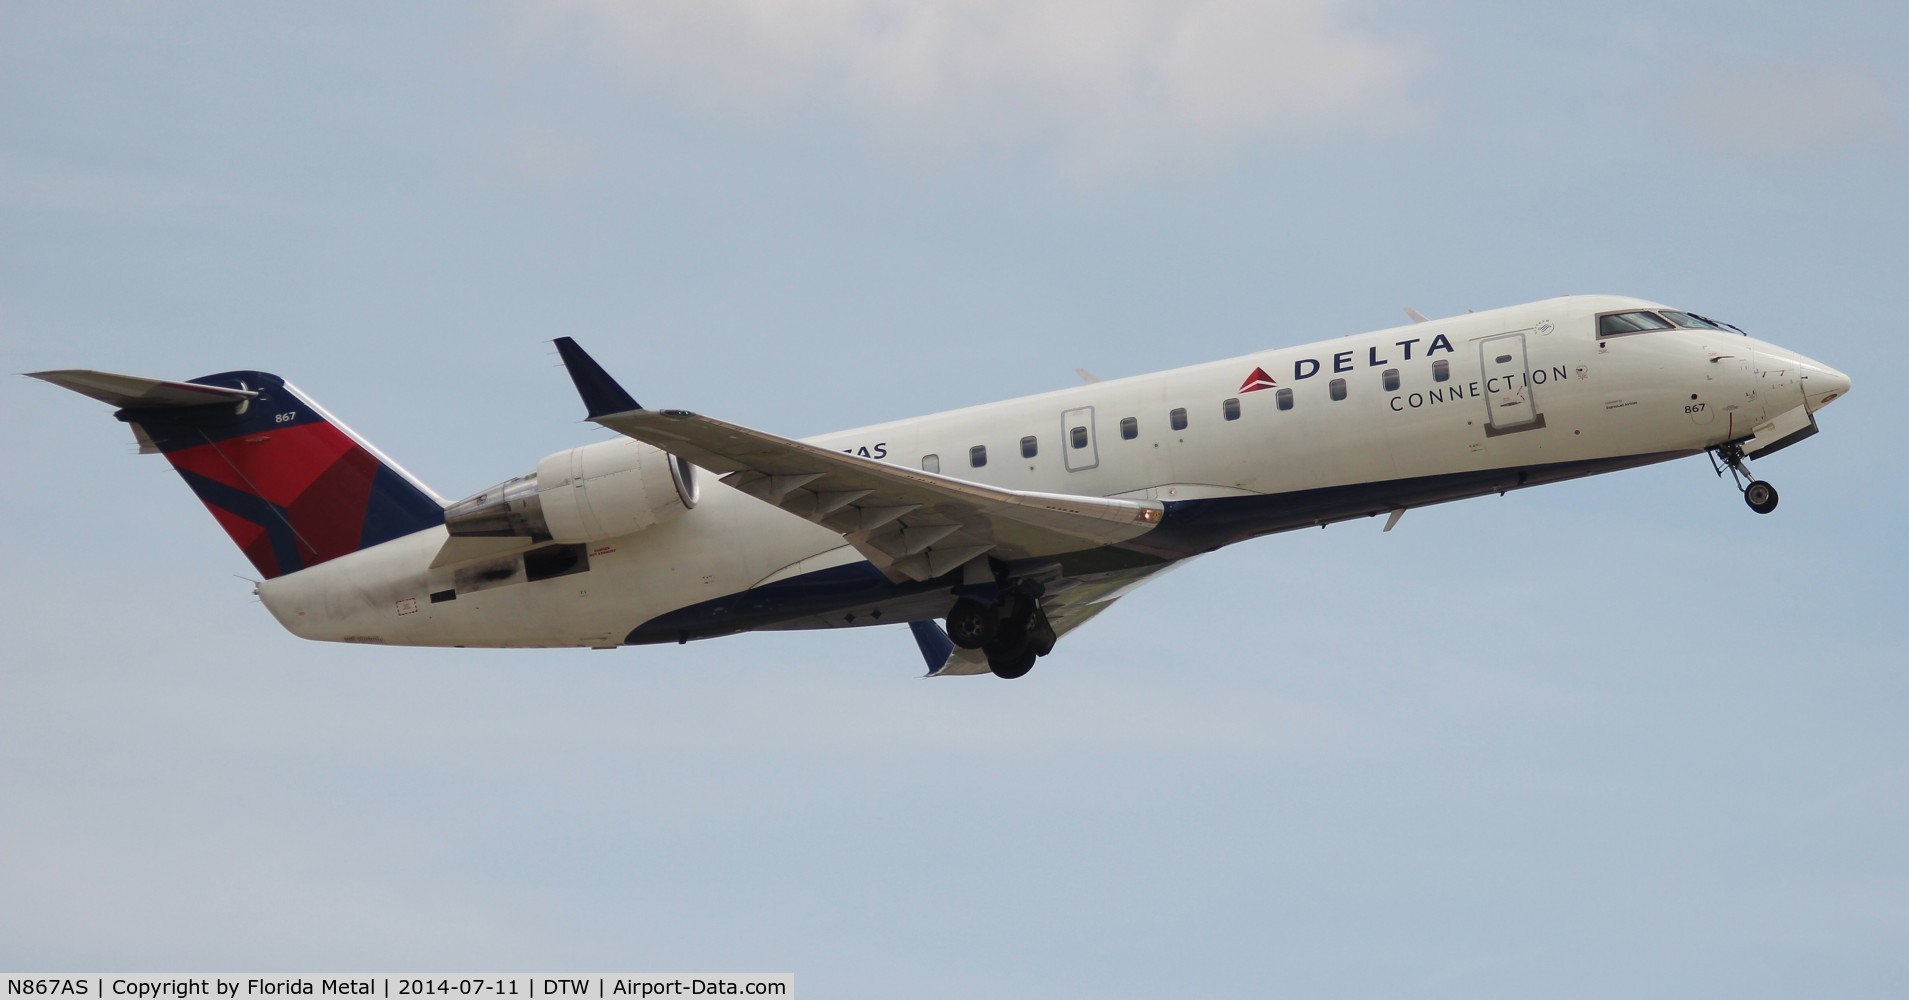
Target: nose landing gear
[
  {"x": 1013, "y": 630},
  {"x": 1761, "y": 496}
]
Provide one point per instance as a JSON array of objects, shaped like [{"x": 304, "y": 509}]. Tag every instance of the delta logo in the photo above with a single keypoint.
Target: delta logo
[{"x": 1257, "y": 381}]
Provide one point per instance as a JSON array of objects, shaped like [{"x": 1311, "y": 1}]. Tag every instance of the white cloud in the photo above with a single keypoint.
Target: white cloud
[
  {"x": 1791, "y": 108},
  {"x": 1107, "y": 88}
]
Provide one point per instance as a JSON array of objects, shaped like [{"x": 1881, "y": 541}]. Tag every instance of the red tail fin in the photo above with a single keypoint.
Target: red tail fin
[{"x": 291, "y": 486}]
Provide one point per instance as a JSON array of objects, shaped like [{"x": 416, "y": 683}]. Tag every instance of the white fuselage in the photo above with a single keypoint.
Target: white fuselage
[{"x": 1405, "y": 415}]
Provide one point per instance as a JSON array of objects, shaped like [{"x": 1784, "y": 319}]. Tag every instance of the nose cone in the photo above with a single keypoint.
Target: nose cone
[{"x": 1822, "y": 384}]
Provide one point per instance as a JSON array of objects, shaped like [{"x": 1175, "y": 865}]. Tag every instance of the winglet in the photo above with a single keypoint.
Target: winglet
[
  {"x": 935, "y": 645},
  {"x": 601, "y": 395}
]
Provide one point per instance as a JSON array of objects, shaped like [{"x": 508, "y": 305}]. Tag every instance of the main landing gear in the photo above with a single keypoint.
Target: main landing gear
[
  {"x": 1012, "y": 630},
  {"x": 1761, "y": 496}
]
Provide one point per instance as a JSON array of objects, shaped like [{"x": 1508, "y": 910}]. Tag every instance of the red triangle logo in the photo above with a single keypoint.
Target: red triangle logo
[{"x": 1257, "y": 381}]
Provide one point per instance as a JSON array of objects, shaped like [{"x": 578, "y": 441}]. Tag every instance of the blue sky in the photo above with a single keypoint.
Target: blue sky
[{"x": 1619, "y": 736}]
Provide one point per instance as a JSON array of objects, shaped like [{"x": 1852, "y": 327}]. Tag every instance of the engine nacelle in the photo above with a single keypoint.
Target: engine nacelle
[
  {"x": 585, "y": 494},
  {"x": 613, "y": 488}
]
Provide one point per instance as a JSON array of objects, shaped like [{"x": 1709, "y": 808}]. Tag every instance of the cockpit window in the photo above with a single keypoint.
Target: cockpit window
[
  {"x": 1618, "y": 324},
  {"x": 1689, "y": 321},
  {"x": 1692, "y": 321},
  {"x": 1641, "y": 321}
]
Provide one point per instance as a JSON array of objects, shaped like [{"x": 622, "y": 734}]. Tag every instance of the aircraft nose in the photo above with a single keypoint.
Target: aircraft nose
[{"x": 1822, "y": 384}]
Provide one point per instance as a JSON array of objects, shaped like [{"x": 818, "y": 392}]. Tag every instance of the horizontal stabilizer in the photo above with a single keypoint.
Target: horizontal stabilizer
[{"x": 134, "y": 391}]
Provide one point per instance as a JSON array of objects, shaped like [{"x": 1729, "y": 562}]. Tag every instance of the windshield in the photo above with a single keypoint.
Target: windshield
[
  {"x": 1689, "y": 321},
  {"x": 1692, "y": 321},
  {"x": 1645, "y": 320},
  {"x": 1618, "y": 324}
]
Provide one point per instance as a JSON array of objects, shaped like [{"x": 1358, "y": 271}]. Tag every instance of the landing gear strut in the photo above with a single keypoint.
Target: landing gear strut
[
  {"x": 1012, "y": 630},
  {"x": 1761, "y": 496}
]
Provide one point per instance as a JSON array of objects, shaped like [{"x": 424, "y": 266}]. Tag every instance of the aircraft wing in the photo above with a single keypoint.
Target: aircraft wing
[{"x": 909, "y": 523}]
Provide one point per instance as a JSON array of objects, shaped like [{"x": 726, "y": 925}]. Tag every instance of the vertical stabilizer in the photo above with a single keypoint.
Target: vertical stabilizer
[{"x": 291, "y": 485}]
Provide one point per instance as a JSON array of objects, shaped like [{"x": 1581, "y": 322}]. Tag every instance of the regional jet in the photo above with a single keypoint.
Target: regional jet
[{"x": 990, "y": 532}]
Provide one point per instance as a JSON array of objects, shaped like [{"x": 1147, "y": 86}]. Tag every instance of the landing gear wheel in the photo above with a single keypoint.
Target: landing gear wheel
[
  {"x": 971, "y": 624},
  {"x": 1761, "y": 496},
  {"x": 1012, "y": 630},
  {"x": 1008, "y": 666}
]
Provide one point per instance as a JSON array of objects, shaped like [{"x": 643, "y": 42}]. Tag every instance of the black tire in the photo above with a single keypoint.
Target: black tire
[
  {"x": 1010, "y": 665},
  {"x": 1761, "y": 496},
  {"x": 971, "y": 624},
  {"x": 1010, "y": 634}
]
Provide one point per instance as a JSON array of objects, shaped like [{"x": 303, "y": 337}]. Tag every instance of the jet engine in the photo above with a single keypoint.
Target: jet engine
[{"x": 586, "y": 494}]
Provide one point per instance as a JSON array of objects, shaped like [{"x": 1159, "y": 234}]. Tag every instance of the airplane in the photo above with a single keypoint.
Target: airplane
[{"x": 991, "y": 531}]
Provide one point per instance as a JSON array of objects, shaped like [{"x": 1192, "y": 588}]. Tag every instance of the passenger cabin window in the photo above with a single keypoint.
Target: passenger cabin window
[
  {"x": 1441, "y": 370},
  {"x": 931, "y": 463},
  {"x": 1391, "y": 380},
  {"x": 1338, "y": 388},
  {"x": 1129, "y": 428},
  {"x": 1231, "y": 409},
  {"x": 978, "y": 455},
  {"x": 1284, "y": 398},
  {"x": 1619, "y": 324},
  {"x": 1029, "y": 447},
  {"x": 1177, "y": 418},
  {"x": 1077, "y": 436}
]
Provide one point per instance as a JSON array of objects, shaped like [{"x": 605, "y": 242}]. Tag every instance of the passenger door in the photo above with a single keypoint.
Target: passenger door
[{"x": 1510, "y": 403}]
